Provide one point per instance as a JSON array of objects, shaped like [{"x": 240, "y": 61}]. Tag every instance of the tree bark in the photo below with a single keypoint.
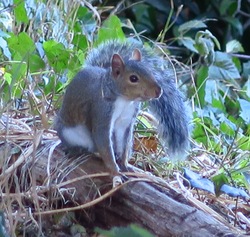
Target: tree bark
[{"x": 159, "y": 209}]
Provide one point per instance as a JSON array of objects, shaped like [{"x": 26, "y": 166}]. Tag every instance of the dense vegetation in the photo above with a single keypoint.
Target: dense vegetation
[{"x": 44, "y": 43}]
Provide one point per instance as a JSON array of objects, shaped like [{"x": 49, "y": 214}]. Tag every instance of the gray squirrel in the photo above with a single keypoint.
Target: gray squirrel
[{"x": 101, "y": 103}]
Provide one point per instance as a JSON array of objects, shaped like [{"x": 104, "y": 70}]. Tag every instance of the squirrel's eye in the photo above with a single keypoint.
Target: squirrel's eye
[{"x": 133, "y": 78}]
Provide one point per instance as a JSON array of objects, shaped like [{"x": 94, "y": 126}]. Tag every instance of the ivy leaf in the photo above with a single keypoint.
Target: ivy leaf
[
  {"x": 233, "y": 192},
  {"x": 86, "y": 25},
  {"x": 234, "y": 46},
  {"x": 245, "y": 108},
  {"x": 244, "y": 143},
  {"x": 223, "y": 68},
  {"x": 235, "y": 23},
  {"x": 80, "y": 41},
  {"x": 8, "y": 78},
  {"x": 201, "y": 84},
  {"x": 207, "y": 35},
  {"x": 20, "y": 12},
  {"x": 227, "y": 7},
  {"x": 197, "y": 181},
  {"x": 194, "y": 24},
  {"x": 21, "y": 44},
  {"x": 111, "y": 29},
  {"x": 189, "y": 43},
  {"x": 226, "y": 126},
  {"x": 211, "y": 91},
  {"x": 131, "y": 230},
  {"x": 58, "y": 55},
  {"x": 218, "y": 181},
  {"x": 35, "y": 63}
]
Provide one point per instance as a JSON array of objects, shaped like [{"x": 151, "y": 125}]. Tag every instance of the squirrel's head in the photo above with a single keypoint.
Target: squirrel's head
[{"x": 133, "y": 79}]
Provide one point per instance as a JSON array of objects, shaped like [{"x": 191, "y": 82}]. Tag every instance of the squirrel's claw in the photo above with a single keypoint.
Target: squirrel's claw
[{"x": 117, "y": 180}]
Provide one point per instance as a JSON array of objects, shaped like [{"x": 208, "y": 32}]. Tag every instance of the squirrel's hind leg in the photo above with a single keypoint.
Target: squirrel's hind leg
[
  {"x": 77, "y": 137},
  {"x": 123, "y": 157}
]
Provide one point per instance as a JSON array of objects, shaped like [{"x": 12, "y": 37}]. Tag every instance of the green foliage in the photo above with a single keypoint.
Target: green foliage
[
  {"x": 132, "y": 231},
  {"x": 58, "y": 56},
  {"x": 222, "y": 118},
  {"x": 223, "y": 68},
  {"x": 111, "y": 29},
  {"x": 20, "y": 12},
  {"x": 44, "y": 61},
  {"x": 37, "y": 62},
  {"x": 44, "y": 43}
]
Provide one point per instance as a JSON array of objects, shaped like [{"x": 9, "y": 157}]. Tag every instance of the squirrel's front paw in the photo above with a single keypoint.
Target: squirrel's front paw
[{"x": 117, "y": 180}]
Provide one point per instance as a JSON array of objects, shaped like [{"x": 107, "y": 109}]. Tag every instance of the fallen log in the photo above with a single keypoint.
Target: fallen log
[{"x": 82, "y": 183}]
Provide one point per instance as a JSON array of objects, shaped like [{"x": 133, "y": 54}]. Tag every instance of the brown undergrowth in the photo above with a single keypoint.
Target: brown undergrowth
[{"x": 32, "y": 204}]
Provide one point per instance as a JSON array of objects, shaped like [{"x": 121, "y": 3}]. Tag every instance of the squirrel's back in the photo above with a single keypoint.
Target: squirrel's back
[{"x": 101, "y": 56}]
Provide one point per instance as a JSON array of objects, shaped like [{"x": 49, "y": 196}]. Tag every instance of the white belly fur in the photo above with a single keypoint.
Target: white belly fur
[
  {"x": 122, "y": 117},
  {"x": 78, "y": 136}
]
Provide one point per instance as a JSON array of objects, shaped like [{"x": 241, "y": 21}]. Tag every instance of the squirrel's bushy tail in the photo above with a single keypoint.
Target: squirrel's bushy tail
[
  {"x": 170, "y": 108},
  {"x": 173, "y": 117}
]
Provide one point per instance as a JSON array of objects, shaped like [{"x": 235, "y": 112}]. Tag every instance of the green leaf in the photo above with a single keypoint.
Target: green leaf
[
  {"x": 201, "y": 35},
  {"x": 204, "y": 43},
  {"x": 245, "y": 110},
  {"x": 234, "y": 46},
  {"x": 80, "y": 41},
  {"x": 197, "y": 181},
  {"x": 131, "y": 231},
  {"x": 212, "y": 95},
  {"x": 223, "y": 68},
  {"x": 7, "y": 77},
  {"x": 20, "y": 11},
  {"x": 219, "y": 180},
  {"x": 218, "y": 103},
  {"x": 19, "y": 68},
  {"x": 144, "y": 126},
  {"x": 244, "y": 143},
  {"x": 35, "y": 63},
  {"x": 235, "y": 23},
  {"x": 246, "y": 70},
  {"x": 88, "y": 24},
  {"x": 204, "y": 46},
  {"x": 111, "y": 29},
  {"x": 198, "y": 131},
  {"x": 202, "y": 75},
  {"x": 194, "y": 24},
  {"x": 227, "y": 7},
  {"x": 226, "y": 126},
  {"x": 21, "y": 44},
  {"x": 58, "y": 55},
  {"x": 237, "y": 63},
  {"x": 233, "y": 192},
  {"x": 189, "y": 43}
]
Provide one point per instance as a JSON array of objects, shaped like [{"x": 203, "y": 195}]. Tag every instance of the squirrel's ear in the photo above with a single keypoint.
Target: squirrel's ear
[
  {"x": 117, "y": 65},
  {"x": 136, "y": 55}
]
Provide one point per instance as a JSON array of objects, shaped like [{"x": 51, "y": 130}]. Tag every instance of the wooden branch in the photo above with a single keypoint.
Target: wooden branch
[{"x": 162, "y": 211}]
